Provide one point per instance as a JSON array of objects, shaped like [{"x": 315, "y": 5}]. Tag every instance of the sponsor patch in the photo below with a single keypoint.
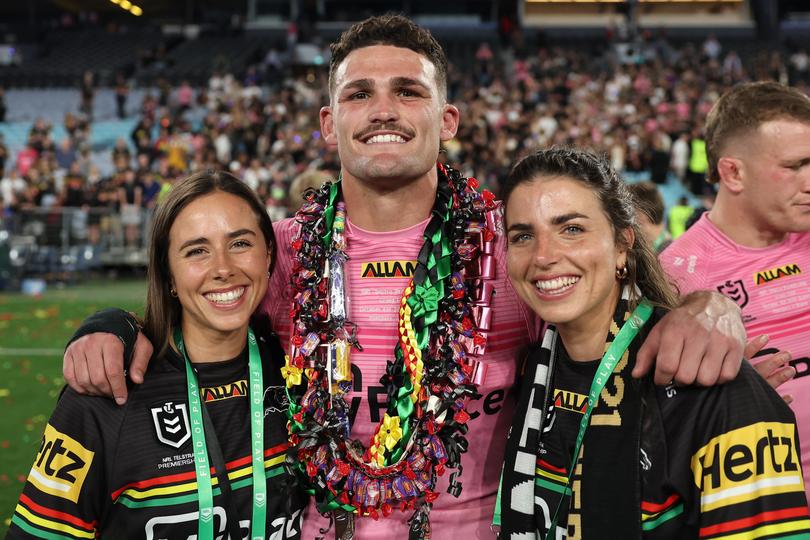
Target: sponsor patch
[
  {"x": 387, "y": 269},
  {"x": 171, "y": 423},
  {"x": 225, "y": 391},
  {"x": 746, "y": 463},
  {"x": 570, "y": 401},
  {"x": 61, "y": 466},
  {"x": 735, "y": 290},
  {"x": 765, "y": 276}
]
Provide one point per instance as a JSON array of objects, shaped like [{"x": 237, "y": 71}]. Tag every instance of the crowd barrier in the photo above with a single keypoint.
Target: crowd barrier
[{"x": 62, "y": 243}]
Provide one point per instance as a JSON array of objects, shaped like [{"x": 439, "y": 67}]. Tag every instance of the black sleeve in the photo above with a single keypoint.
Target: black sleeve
[
  {"x": 114, "y": 321},
  {"x": 65, "y": 492},
  {"x": 735, "y": 456}
]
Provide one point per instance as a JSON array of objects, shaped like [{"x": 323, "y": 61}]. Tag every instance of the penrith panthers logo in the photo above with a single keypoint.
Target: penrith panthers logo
[{"x": 736, "y": 291}]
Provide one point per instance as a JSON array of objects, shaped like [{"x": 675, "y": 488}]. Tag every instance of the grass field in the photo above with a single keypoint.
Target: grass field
[{"x": 33, "y": 332}]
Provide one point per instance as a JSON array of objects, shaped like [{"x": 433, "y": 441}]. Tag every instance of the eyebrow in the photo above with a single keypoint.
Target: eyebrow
[
  {"x": 408, "y": 81},
  {"x": 801, "y": 162},
  {"x": 203, "y": 240},
  {"x": 396, "y": 82},
  {"x": 359, "y": 84},
  {"x": 519, "y": 227},
  {"x": 559, "y": 220}
]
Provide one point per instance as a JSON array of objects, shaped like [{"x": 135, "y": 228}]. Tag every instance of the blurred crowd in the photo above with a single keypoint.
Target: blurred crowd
[{"x": 643, "y": 105}]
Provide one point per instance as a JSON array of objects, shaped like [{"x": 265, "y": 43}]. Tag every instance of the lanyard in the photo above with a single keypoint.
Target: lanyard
[
  {"x": 627, "y": 333},
  {"x": 203, "y": 469}
]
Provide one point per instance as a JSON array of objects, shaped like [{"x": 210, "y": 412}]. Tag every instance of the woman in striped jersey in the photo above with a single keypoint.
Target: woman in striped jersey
[
  {"x": 198, "y": 451},
  {"x": 594, "y": 453}
]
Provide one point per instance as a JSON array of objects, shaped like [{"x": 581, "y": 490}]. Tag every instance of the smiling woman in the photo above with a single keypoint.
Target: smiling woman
[
  {"x": 593, "y": 453},
  {"x": 212, "y": 402}
]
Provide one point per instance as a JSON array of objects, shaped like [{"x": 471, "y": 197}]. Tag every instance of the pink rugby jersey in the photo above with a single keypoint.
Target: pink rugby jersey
[
  {"x": 378, "y": 269},
  {"x": 771, "y": 285}
]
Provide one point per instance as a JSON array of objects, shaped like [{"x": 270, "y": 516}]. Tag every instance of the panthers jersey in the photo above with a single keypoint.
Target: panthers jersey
[
  {"x": 128, "y": 472},
  {"x": 719, "y": 462}
]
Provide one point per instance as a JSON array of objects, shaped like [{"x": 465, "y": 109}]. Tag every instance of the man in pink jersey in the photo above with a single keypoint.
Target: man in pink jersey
[
  {"x": 754, "y": 244},
  {"x": 387, "y": 117}
]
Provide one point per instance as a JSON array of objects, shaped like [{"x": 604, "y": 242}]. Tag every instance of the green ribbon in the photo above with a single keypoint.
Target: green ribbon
[
  {"x": 329, "y": 212},
  {"x": 426, "y": 303}
]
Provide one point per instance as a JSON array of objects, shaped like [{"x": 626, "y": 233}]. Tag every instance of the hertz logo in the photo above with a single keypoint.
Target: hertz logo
[
  {"x": 388, "y": 269},
  {"x": 570, "y": 401},
  {"x": 775, "y": 273},
  {"x": 755, "y": 460},
  {"x": 61, "y": 466},
  {"x": 225, "y": 391}
]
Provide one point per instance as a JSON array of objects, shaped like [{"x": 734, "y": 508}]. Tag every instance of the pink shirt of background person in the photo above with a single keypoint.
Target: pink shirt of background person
[
  {"x": 772, "y": 287},
  {"x": 377, "y": 271}
]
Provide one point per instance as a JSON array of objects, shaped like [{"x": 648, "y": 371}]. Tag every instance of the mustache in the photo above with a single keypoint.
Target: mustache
[{"x": 386, "y": 126}]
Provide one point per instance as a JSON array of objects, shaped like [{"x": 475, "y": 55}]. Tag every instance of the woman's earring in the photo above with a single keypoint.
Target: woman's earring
[
  {"x": 173, "y": 292},
  {"x": 621, "y": 273}
]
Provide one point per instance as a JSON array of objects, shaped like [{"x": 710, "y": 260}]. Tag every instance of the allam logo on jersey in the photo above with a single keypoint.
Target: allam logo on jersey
[
  {"x": 766, "y": 276},
  {"x": 224, "y": 391},
  {"x": 747, "y": 463},
  {"x": 387, "y": 269},
  {"x": 735, "y": 290},
  {"x": 171, "y": 423},
  {"x": 570, "y": 401},
  {"x": 61, "y": 466}
]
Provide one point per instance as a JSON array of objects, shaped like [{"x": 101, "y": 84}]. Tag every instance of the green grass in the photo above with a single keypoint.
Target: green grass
[{"x": 33, "y": 333}]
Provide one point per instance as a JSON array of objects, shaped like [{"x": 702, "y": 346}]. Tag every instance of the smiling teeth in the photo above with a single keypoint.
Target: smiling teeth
[
  {"x": 556, "y": 283},
  {"x": 222, "y": 298},
  {"x": 385, "y": 139}
]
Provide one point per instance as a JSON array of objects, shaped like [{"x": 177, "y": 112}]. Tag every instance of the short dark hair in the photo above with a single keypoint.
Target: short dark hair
[
  {"x": 648, "y": 199},
  {"x": 595, "y": 172},
  {"x": 163, "y": 311},
  {"x": 394, "y": 30},
  {"x": 744, "y": 108}
]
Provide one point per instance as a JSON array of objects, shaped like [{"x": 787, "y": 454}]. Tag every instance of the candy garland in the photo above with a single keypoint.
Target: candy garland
[{"x": 444, "y": 319}]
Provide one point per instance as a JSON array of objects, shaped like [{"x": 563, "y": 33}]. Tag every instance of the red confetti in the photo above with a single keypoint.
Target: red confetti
[
  {"x": 488, "y": 195},
  {"x": 472, "y": 182},
  {"x": 312, "y": 470},
  {"x": 431, "y": 427},
  {"x": 409, "y": 474},
  {"x": 344, "y": 498},
  {"x": 462, "y": 416},
  {"x": 372, "y": 512},
  {"x": 297, "y": 340},
  {"x": 386, "y": 509},
  {"x": 466, "y": 323},
  {"x": 440, "y": 469},
  {"x": 297, "y": 244},
  {"x": 431, "y": 496},
  {"x": 479, "y": 339},
  {"x": 343, "y": 467},
  {"x": 489, "y": 236}
]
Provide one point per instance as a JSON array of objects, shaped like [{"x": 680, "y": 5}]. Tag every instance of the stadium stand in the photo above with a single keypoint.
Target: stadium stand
[{"x": 248, "y": 101}]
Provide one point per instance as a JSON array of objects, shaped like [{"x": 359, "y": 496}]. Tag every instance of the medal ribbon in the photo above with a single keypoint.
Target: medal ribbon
[{"x": 201, "y": 462}]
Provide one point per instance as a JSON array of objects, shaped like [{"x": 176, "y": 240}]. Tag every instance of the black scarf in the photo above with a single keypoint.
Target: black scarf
[{"x": 610, "y": 490}]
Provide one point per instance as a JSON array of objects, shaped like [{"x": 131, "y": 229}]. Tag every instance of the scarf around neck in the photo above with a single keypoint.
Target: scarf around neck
[{"x": 609, "y": 490}]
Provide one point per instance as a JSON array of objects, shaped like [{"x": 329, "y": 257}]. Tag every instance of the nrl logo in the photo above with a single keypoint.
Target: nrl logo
[
  {"x": 171, "y": 423},
  {"x": 736, "y": 291}
]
